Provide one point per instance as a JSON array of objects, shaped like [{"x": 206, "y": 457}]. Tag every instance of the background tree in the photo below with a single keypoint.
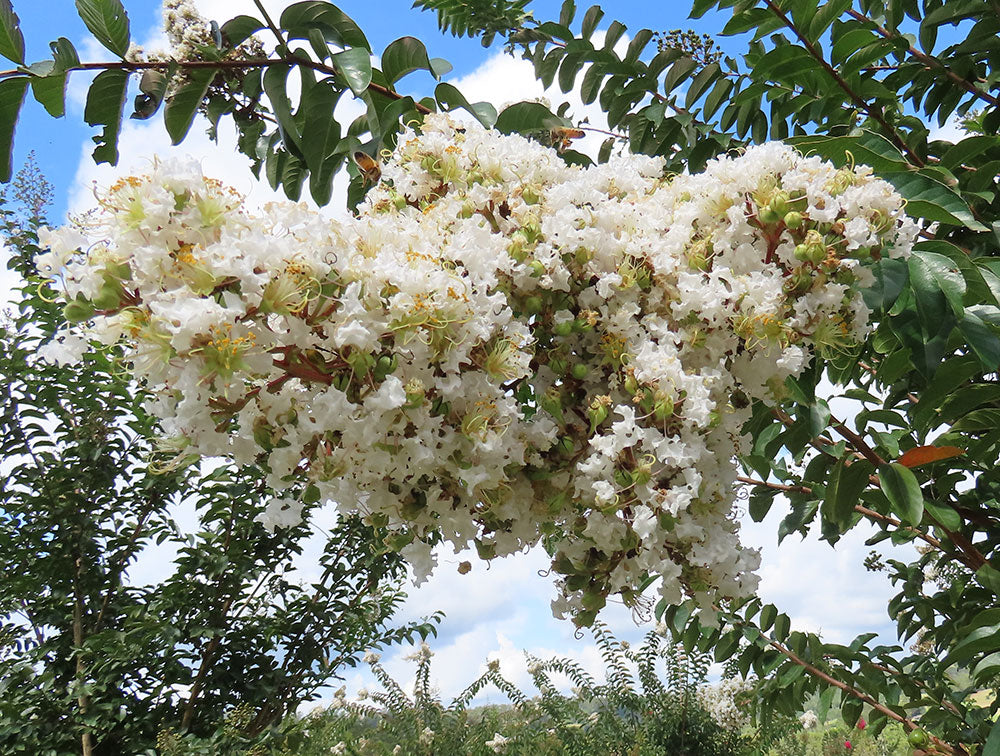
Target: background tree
[{"x": 91, "y": 658}]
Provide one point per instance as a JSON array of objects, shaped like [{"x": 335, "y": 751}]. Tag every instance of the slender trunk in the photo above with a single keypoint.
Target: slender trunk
[{"x": 86, "y": 739}]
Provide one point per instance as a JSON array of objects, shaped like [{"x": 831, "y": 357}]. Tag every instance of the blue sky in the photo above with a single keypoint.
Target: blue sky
[{"x": 501, "y": 609}]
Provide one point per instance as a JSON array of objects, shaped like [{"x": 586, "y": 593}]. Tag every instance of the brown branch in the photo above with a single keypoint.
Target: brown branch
[
  {"x": 290, "y": 60},
  {"x": 864, "y": 697},
  {"x": 857, "y": 442},
  {"x": 114, "y": 576},
  {"x": 869, "y": 513},
  {"x": 86, "y": 739},
  {"x": 871, "y": 112},
  {"x": 209, "y": 656},
  {"x": 929, "y": 61}
]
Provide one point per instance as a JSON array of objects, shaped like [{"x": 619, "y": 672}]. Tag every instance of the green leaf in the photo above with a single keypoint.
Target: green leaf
[
  {"x": 105, "y": 103},
  {"x": 449, "y": 98},
  {"x": 274, "y": 81},
  {"x": 590, "y": 20},
  {"x": 318, "y": 104},
  {"x": 891, "y": 276},
  {"x": 440, "y": 67},
  {"x": 945, "y": 515},
  {"x": 526, "y": 116},
  {"x": 866, "y": 148},
  {"x": 843, "y": 491},
  {"x": 705, "y": 78},
  {"x": 678, "y": 72},
  {"x": 336, "y": 26},
  {"x": 992, "y": 747},
  {"x": 108, "y": 21},
  {"x": 982, "y": 338},
  {"x": 152, "y": 90},
  {"x": 50, "y": 91},
  {"x": 901, "y": 488},
  {"x": 64, "y": 54},
  {"x": 356, "y": 66},
  {"x": 567, "y": 12},
  {"x": 989, "y": 577},
  {"x": 782, "y": 624},
  {"x": 404, "y": 56},
  {"x": 11, "y": 39},
  {"x": 12, "y": 93},
  {"x": 768, "y": 614},
  {"x": 936, "y": 284},
  {"x": 929, "y": 199},
  {"x": 826, "y": 15},
  {"x": 238, "y": 30},
  {"x": 181, "y": 106}
]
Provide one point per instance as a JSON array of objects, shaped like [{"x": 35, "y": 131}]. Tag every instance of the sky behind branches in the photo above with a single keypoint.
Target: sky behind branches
[{"x": 501, "y": 609}]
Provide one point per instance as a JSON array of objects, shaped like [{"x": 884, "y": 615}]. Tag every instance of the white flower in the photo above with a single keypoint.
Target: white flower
[
  {"x": 809, "y": 720},
  {"x": 498, "y": 743},
  {"x": 567, "y": 371},
  {"x": 65, "y": 348}
]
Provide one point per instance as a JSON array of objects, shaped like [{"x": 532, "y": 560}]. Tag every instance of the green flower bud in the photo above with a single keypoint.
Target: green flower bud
[
  {"x": 530, "y": 196},
  {"x": 467, "y": 210},
  {"x": 533, "y": 305},
  {"x": 537, "y": 268},
  {"x": 78, "y": 310},
  {"x": 384, "y": 366},
  {"x": 108, "y": 297},
  {"x": 802, "y": 252},
  {"x": 579, "y": 371},
  {"x": 767, "y": 216},
  {"x": 598, "y": 411},
  {"x": 663, "y": 409},
  {"x": 779, "y": 203},
  {"x": 565, "y": 328},
  {"x": 793, "y": 219}
]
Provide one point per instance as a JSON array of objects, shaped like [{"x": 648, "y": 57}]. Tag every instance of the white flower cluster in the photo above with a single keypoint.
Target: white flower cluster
[
  {"x": 188, "y": 34},
  {"x": 725, "y": 701},
  {"x": 809, "y": 720},
  {"x": 501, "y": 349}
]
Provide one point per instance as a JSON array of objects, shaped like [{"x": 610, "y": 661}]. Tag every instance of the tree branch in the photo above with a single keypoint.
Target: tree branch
[
  {"x": 290, "y": 60},
  {"x": 929, "y": 61},
  {"x": 871, "y": 112}
]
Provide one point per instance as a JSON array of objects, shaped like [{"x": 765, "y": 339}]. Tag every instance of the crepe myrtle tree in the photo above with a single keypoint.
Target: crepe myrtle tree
[
  {"x": 98, "y": 656},
  {"x": 856, "y": 83}
]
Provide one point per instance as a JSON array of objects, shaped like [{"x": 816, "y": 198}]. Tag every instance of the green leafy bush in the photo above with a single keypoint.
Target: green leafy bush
[{"x": 649, "y": 704}]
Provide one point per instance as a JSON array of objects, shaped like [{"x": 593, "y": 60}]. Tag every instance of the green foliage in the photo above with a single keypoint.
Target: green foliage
[
  {"x": 648, "y": 704},
  {"x": 478, "y": 18},
  {"x": 91, "y": 658}
]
